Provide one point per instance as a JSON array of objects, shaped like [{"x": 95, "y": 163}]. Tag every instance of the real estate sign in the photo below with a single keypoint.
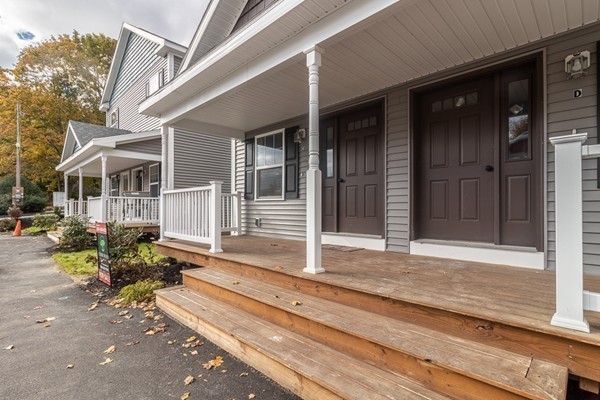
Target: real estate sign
[{"x": 103, "y": 253}]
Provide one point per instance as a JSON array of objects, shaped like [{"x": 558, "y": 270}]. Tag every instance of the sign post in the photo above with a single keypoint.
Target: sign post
[
  {"x": 104, "y": 274},
  {"x": 18, "y": 194}
]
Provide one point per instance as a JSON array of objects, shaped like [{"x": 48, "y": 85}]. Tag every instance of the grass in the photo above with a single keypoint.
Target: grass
[
  {"x": 74, "y": 263},
  {"x": 139, "y": 291}
]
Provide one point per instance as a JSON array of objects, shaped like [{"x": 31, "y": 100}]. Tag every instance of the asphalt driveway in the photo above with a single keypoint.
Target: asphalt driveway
[{"x": 61, "y": 357}]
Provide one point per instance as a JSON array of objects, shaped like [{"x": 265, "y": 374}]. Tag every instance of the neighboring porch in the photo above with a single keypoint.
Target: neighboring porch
[{"x": 493, "y": 305}]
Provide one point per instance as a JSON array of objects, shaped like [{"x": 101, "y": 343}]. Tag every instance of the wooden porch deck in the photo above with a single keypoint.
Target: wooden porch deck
[
  {"x": 503, "y": 307},
  {"x": 146, "y": 228}
]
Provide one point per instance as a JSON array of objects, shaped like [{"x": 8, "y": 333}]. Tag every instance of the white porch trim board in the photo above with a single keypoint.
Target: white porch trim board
[{"x": 164, "y": 174}]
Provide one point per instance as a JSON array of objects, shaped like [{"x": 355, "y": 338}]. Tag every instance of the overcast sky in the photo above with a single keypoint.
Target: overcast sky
[{"x": 25, "y": 22}]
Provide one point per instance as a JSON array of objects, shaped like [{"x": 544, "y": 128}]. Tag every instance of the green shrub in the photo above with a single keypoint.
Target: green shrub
[
  {"x": 45, "y": 222},
  {"x": 7, "y": 225},
  {"x": 123, "y": 242},
  {"x": 139, "y": 291},
  {"x": 74, "y": 235},
  {"x": 33, "y": 203},
  {"x": 35, "y": 199}
]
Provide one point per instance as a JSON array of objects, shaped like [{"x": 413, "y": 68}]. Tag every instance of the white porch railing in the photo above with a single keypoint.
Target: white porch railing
[
  {"x": 72, "y": 207},
  {"x": 201, "y": 214},
  {"x": 571, "y": 299},
  {"x": 124, "y": 209}
]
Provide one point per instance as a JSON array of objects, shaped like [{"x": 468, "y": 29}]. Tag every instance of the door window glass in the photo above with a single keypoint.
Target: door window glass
[
  {"x": 329, "y": 144},
  {"x": 518, "y": 119}
]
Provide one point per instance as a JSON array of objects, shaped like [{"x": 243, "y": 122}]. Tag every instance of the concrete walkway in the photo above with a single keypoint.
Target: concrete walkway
[{"x": 31, "y": 289}]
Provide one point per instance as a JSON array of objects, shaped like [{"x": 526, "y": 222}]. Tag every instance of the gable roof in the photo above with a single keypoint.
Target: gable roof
[
  {"x": 217, "y": 23},
  {"x": 80, "y": 133},
  {"x": 165, "y": 46}
]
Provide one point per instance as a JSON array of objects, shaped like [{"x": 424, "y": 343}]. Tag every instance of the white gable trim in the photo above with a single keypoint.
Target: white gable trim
[{"x": 69, "y": 143}]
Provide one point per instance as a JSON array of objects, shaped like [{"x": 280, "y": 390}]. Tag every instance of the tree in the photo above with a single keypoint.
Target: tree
[{"x": 59, "y": 79}]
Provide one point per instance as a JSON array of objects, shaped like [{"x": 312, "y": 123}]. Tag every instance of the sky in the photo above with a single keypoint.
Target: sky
[{"x": 26, "y": 22}]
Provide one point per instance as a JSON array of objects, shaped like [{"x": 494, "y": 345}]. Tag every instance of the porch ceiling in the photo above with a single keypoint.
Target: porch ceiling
[
  {"x": 394, "y": 47},
  {"x": 114, "y": 163}
]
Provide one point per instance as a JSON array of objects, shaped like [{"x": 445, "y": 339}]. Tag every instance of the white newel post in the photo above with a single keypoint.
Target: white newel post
[
  {"x": 163, "y": 179},
  {"x": 313, "y": 175},
  {"x": 80, "y": 170},
  {"x": 237, "y": 214},
  {"x": 66, "y": 192},
  {"x": 569, "y": 232},
  {"x": 215, "y": 217},
  {"x": 103, "y": 194}
]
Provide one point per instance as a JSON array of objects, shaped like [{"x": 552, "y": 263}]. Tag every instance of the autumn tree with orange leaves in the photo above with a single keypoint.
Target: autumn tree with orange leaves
[{"x": 57, "y": 80}]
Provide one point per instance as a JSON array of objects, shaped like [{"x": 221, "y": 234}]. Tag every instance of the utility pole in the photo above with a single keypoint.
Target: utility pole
[{"x": 18, "y": 183}]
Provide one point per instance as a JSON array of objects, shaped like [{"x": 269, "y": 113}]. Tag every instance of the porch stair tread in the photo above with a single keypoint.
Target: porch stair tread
[
  {"x": 515, "y": 373},
  {"x": 313, "y": 370}
]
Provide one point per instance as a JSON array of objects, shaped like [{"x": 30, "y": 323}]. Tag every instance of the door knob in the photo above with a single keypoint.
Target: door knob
[
  {"x": 340, "y": 180},
  {"x": 489, "y": 168}
]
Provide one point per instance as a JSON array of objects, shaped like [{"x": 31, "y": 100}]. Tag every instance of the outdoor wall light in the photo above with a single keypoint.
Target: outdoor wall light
[
  {"x": 577, "y": 64},
  {"x": 299, "y": 135}
]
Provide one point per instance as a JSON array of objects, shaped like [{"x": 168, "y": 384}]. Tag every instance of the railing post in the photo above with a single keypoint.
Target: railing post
[
  {"x": 237, "y": 214},
  {"x": 569, "y": 232},
  {"x": 104, "y": 207},
  {"x": 215, "y": 217}
]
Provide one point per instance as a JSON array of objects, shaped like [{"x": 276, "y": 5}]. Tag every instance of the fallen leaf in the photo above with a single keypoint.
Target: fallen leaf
[
  {"x": 129, "y": 316},
  {"x": 70, "y": 366},
  {"x": 47, "y": 319},
  {"x": 235, "y": 283},
  {"x": 26, "y": 316},
  {"x": 116, "y": 321},
  {"x": 124, "y": 312},
  {"x": 110, "y": 350},
  {"x": 251, "y": 396},
  {"x": 158, "y": 317},
  {"x": 133, "y": 343},
  {"x": 223, "y": 370},
  {"x": 150, "y": 333},
  {"x": 93, "y": 306},
  {"x": 185, "y": 396},
  {"x": 188, "y": 380},
  {"x": 107, "y": 361},
  {"x": 296, "y": 303},
  {"x": 46, "y": 325},
  {"x": 278, "y": 268},
  {"x": 170, "y": 342},
  {"x": 244, "y": 374},
  {"x": 9, "y": 347},
  {"x": 191, "y": 339},
  {"x": 218, "y": 360},
  {"x": 149, "y": 315},
  {"x": 194, "y": 352},
  {"x": 38, "y": 308}
]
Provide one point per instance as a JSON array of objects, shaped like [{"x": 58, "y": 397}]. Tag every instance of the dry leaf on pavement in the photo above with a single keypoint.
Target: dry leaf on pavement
[
  {"x": 107, "y": 361},
  {"x": 244, "y": 374},
  {"x": 70, "y": 366},
  {"x": 185, "y": 396},
  {"x": 124, "y": 312},
  {"x": 296, "y": 303},
  {"x": 191, "y": 339},
  {"x": 251, "y": 396},
  {"x": 93, "y": 306},
  {"x": 110, "y": 350},
  {"x": 9, "y": 347},
  {"x": 132, "y": 343},
  {"x": 188, "y": 380},
  {"x": 47, "y": 319},
  {"x": 218, "y": 360}
]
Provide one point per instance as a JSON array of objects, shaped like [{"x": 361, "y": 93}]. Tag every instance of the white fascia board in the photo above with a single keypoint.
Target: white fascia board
[
  {"x": 132, "y": 155},
  {"x": 112, "y": 141},
  {"x": 328, "y": 27},
  {"x": 89, "y": 148},
  {"x": 204, "y": 23},
  {"x": 115, "y": 65}
]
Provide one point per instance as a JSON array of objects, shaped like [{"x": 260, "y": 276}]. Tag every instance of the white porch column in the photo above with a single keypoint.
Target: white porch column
[
  {"x": 313, "y": 175},
  {"x": 66, "y": 211},
  {"x": 215, "y": 217},
  {"x": 569, "y": 232},
  {"x": 104, "y": 195},
  {"x": 80, "y": 170},
  {"x": 164, "y": 173}
]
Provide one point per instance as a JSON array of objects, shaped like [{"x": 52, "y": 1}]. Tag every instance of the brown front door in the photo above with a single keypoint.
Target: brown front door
[
  {"x": 353, "y": 171},
  {"x": 477, "y": 165}
]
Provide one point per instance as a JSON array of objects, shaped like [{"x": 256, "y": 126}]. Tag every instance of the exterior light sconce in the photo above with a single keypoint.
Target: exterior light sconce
[
  {"x": 577, "y": 64},
  {"x": 299, "y": 135}
]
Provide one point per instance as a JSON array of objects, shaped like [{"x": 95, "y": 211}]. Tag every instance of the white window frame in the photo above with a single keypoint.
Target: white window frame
[
  {"x": 122, "y": 189},
  {"x": 110, "y": 187},
  {"x": 150, "y": 183},
  {"x": 133, "y": 178},
  {"x": 157, "y": 80},
  {"x": 272, "y": 166},
  {"x": 114, "y": 124}
]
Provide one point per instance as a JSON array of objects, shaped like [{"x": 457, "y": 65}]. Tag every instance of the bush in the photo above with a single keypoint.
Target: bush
[
  {"x": 74, "y": 236},
  {"x": 34, "y": 201},
  {"x": 7, "y": 225},
  {"x": 139, "y": 291},
  {"x": 15, "y": 213},
  {"x": 45, "y": 222},
  {"x": 123, "y": 242}
]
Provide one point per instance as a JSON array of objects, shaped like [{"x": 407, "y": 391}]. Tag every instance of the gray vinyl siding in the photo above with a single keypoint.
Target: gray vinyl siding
[
  {"x": 564, "y": 115},
  {"x": 281, "y": 218},
  {"x": 201, "y": 158},
  {"x": 152, "y": 146},
  {"x": 176, "y": 64},
  {"x": 139, "y": 64}
]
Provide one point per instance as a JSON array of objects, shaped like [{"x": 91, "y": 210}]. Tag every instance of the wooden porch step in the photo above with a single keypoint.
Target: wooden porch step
[
  {"x": 306, "y": 367},
  {"x": 447, "y": 364}
]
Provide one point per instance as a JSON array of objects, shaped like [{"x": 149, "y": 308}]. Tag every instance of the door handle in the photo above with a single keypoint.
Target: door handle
[
  {"x": 489, "y": 168},
  {"x": 340, "y": 180}
]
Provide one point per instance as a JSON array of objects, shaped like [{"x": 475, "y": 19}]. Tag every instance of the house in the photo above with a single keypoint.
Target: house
[
  {"x": 126, "y": 153},
  {"x": 413, "y": 130}
]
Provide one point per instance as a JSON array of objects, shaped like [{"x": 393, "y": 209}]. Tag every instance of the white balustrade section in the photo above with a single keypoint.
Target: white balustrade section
[
  {"x": 133, "y": 209},
  {"x": 201, "y": 214},
  {"x": 571, "y": 299},
  {"x": 95, "y": 209},
  {"x": 72, "y": 208}
]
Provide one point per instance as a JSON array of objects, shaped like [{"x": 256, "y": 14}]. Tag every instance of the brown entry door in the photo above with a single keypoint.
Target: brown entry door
[
  {"x": 477, "y": 161},
  {"x": 353, "y": 172},
  {"x": 455, "y": 164}
]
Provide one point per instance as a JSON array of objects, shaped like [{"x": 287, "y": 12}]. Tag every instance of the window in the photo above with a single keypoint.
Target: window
[
  {"x": 114, "y": 119},
  {"x": 269, "y": 165},
  {"x": 114, "y": 186},
  {"x": 125, "y": 182},
  {"x": 154, "y": 172},
  {"x": 138, "y": 179},
  {"x": 155, "y": 82}
]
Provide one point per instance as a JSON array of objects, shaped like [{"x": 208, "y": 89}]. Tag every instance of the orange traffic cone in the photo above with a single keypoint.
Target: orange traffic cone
[{"x": 17, "y": 231}]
